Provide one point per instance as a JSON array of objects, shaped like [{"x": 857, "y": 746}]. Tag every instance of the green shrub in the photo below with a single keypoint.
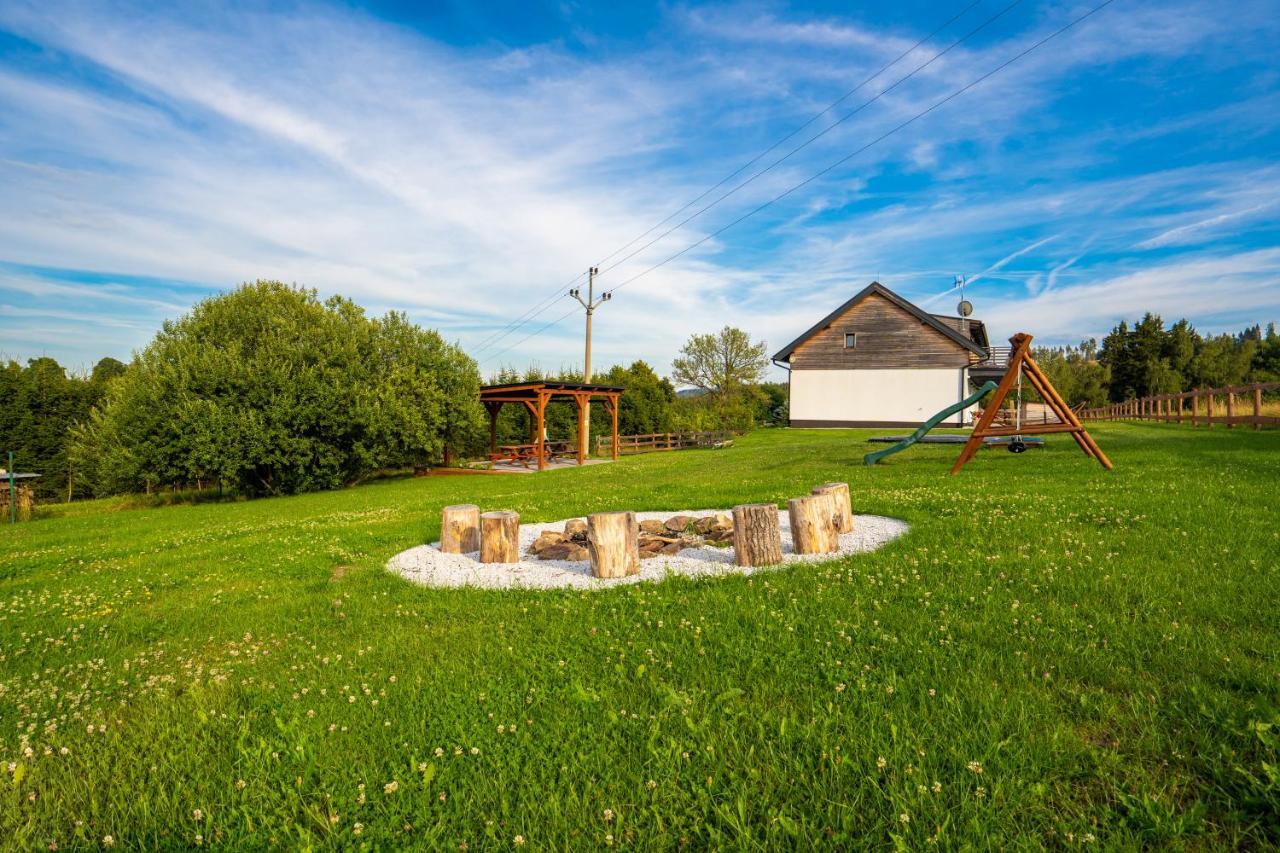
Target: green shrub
[{"x": 269, "y": 390}]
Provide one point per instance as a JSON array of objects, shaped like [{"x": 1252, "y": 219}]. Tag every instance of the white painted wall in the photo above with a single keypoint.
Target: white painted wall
[{"x": 881, "y": 396}]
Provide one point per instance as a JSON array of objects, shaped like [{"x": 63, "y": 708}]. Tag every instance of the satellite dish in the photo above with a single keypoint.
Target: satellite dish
[{"x": 965, "y": 308}]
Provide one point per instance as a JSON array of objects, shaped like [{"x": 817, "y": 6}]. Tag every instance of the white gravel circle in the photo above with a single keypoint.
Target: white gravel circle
[{"x": 428, "y": 566}]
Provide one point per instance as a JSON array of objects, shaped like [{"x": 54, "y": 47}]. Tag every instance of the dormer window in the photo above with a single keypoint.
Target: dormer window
[{"x": 850, "y": 340}]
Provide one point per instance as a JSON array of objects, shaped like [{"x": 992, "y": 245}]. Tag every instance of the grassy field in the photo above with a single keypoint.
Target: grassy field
[{"x": 1053, "y": 656}]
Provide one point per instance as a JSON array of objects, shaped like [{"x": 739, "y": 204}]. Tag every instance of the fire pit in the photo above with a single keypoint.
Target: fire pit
[{"x": 697, "y": 544}]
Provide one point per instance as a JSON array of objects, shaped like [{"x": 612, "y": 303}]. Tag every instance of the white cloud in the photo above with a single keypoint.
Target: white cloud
[
  {"x": 320, "y": 146},
  {"x": 1222, "y": 292}
]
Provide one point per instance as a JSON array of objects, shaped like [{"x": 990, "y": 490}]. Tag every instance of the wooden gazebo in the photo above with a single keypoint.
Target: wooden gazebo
[{"x": 535, "y": 396}]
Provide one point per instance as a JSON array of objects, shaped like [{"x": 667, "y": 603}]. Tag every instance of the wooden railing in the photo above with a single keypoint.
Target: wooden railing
[
  {"x": 650, "y": 442},
  {"x": 996, "y": 357},
  {"x": 1203, "y": 407}
]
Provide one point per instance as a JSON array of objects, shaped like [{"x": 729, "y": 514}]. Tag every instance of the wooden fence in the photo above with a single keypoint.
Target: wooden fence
[
  {"x": 662, "y": 441},
  {"x": 1233, "y": 405}
]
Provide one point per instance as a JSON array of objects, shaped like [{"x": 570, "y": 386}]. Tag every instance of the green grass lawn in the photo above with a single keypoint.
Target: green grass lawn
[{"x": 1053, "y": 656}]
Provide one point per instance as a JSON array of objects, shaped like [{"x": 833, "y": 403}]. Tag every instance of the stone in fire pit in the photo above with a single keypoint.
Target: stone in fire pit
[{"x": 658, "y": 537}]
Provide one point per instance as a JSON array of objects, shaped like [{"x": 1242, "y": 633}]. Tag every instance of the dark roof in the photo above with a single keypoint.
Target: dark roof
[
  {"x": 879, "y": 289},
  {"x": 517, "y": 389},
  {"x": 976, "y": 328}
]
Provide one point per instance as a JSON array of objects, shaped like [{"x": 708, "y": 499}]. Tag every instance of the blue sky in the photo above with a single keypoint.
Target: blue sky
[{"x": 461, "y": 162}]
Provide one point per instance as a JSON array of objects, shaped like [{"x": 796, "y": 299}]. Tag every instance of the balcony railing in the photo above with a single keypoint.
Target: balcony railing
[{"x": 997, "y": 358}]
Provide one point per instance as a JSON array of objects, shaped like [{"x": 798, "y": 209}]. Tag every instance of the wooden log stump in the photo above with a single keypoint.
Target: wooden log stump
[
  {"x": 844, "y": 509},
  {"x": 757, "y": 541},
  {"x": 460, "y": 529},
  {"x": 500, "y": 537},
  {"x": 813, "y": 529},
  {"x": 614, "y": 542}
]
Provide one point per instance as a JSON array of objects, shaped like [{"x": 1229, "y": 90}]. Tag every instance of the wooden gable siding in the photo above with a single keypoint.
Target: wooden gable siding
[{"x": 888, "y": 337}]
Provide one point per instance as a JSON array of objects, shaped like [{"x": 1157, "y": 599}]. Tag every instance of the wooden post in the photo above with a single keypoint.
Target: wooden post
[
  {"x": 1208, "y": 412},
  {"x": 542, "y": 429},
  {"x": 757, "y": 540},
  {"x": 584, "y": 418},
  {"x": 500, "y": 537},
  {"x": 460, "y": 529},
  {"x": 1231, "y": 407},
  {"x": 1257, "y": 406},
  {"x": 613, "y": 415},
  {"x": 813, "y": 529},
  {"x": 613, "y": 539},
  {"x": 1195, "y": 405},
  {"x": 494, "y": 409},
  {"x": 844, "y": 510}
]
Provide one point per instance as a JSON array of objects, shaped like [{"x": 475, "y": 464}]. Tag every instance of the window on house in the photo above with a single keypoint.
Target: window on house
[{"x": 850, "y": 340}]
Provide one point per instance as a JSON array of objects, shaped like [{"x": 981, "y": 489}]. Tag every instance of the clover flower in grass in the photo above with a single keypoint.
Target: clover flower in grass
[
  {"x": 608, "y": 815},
  {"x": 881, "y": 763},
  {"x": 905, "y": 818},
  {"x": 391, "y": 787},
  {"x": 108, "y": 841},
  {"x": 975, "y": 767},
  {"x": 518, "y": 841},
  {"x": 197, "y": 815},
  {"x": 356, "y": 829}
]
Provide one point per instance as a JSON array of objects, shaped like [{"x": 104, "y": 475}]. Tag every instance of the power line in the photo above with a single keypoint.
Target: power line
[
  {"x": 546, "y": 303},
  {"x": 870, "y": 144},
  {"x": 528, "y": 315},
  {"x": 532, "y": 334},
  {"x": 822, "y": 133},
  {"x": 828, "y": 108}
]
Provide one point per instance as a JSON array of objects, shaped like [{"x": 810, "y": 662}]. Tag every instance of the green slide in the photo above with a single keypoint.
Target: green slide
[{"x": 876, "y": 456}]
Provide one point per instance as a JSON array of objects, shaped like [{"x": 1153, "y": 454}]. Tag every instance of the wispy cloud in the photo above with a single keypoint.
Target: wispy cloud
[{"x": 318, "y": 144}]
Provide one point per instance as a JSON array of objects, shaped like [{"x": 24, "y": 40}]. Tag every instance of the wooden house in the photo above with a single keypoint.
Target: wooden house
[{"x": 878, "y": 360}]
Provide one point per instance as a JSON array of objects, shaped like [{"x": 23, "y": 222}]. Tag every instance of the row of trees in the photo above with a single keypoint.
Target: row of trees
[
  {"x": 271, "y": 390},
  {"x": 1150, "y": 358},
  {"x": 38, "y": 404}
]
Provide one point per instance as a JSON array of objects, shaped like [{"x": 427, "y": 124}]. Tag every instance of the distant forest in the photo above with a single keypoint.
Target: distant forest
[
  {"x": 1150, "y": 358},
  {"x": 39, "y": 403}
]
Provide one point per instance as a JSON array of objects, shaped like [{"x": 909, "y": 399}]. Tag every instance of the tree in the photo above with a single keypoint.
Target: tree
[
  {"x": 1117, "y": 356},
  {"x": 40, "y": 403},
  {"x": 1222, "y": 360},
  {"x": 271, "y": 391},
  {"x": 720, "y": 363},
  {"x": 727, "y": 367},
  {"x": 644, "y": 407}
]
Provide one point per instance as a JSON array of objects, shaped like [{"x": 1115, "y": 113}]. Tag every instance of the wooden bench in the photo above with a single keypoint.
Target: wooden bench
[{"x": 524, "y": 454}]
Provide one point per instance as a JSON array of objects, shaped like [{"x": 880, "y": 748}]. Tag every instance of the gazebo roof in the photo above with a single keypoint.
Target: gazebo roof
[{"x": 531, "y": 390}]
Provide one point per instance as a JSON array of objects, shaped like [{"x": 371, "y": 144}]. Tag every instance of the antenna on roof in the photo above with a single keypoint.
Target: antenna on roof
[{"x": 965, "y": 308}]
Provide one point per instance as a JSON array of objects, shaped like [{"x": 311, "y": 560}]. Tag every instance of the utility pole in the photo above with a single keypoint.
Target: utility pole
[{"x": 590, "y": 303}]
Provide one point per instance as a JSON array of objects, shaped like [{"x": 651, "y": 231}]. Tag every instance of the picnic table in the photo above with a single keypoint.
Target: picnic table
[{"x": 523, "y": 454}]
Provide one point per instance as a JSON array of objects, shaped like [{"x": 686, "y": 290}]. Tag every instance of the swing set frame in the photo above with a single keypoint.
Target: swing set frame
[{"x": 1021, "y": 363}]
